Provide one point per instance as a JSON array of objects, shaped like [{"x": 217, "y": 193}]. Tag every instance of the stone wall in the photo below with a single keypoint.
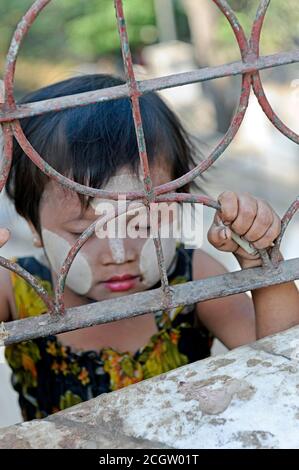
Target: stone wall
[{"x": 247, "y": 398}]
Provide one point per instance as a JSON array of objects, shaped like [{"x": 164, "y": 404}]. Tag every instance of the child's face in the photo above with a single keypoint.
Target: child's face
[{"x": 104, "y": 267}]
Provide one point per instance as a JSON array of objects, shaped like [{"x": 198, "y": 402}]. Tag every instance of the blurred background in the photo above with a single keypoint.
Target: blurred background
[{"x": 73, "y": 37}]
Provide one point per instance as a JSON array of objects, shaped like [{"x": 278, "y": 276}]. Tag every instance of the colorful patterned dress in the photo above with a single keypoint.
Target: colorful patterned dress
[{"x": 50, "y": 377}]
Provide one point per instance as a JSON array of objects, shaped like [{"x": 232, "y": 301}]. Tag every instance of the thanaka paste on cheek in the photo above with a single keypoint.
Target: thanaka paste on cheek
[
  {"x": 149, "y": 267},
  {"x": 79, "y": 277}
]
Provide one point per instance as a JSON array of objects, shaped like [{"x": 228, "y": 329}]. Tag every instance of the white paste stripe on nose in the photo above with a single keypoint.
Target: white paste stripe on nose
[{"x": 117, "y": 250}]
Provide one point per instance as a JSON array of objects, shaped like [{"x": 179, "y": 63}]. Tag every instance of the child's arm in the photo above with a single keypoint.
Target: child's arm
[
  {"x": 237, "y": 319},
  {"x": 5, "y": 312}
]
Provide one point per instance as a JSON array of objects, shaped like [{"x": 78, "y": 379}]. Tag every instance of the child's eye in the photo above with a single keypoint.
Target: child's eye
[{"x": 76, "y": 234}]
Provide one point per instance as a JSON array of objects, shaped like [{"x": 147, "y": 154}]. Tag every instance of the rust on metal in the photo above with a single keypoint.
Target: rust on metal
[
  {"x": 272, "y": 271},
  {"x": 150, "y": 301}
]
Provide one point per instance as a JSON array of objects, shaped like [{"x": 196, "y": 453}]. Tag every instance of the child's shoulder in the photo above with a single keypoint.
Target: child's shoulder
[
  {"x": 204, "y": 265},
  {"x": 14, "y": 289},
  {"x": 6, "y": 296}
]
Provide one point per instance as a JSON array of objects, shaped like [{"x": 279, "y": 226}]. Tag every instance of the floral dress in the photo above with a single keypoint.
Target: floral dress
[{"x": 50, "y": 377}]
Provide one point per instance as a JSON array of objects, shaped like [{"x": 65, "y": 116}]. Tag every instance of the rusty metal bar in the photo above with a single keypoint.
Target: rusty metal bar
[
  {"x": 256, "y": 79},
  {"x": 55, "y": 175},
  {"x": 254, "y": 42},
  {"x": 11, "y": 58},
  {"x": 220, "y": 148},
  {"x": 40, "y": 290},
  {"x": 235, "y": 25},
  {"x": 294, "y": 207},
  {"x": 10, "y": 112},
  {"x": 268, "y": 110},
  {"x": 152, "y": 84},
  {"x": 147, "y": 181},
  {"x": 149, "y": 302},
  {"x": 100, "y": 222}
]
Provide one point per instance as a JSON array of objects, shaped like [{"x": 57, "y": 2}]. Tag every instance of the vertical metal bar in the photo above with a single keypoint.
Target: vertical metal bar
[
  {"x": 250, "y": 55},
  {"x": 255, "y": 36},
  {"x": 134, "y": 96}
]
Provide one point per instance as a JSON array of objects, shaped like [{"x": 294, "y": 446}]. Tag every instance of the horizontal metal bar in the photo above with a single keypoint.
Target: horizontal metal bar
[
  {"x": 161, "y": 83},
  {"x": 148, "y": 302}
]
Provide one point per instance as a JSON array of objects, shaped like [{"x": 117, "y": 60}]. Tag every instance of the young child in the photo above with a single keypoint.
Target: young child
[{"x": 96, "y": 145}]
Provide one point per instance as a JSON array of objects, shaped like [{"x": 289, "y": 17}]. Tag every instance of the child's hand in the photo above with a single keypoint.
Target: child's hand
[
  {"x": 249, "y": 217},
  {"x": 4, "y": 236}
]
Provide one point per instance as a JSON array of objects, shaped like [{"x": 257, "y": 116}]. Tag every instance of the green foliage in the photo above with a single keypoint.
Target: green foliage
[
  {"x": 96, "y": 32},
  {"x": 86, "y": 29},
  {"x": 280, "y": 30},
  {"x": 75, "y": 28}
]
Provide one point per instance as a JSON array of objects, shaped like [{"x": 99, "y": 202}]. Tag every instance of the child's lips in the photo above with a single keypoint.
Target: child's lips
[{"x": 121, "y": 283}]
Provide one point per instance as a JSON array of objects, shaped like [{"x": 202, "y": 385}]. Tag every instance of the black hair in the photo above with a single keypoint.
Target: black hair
[{"x": 90, "y": 143}]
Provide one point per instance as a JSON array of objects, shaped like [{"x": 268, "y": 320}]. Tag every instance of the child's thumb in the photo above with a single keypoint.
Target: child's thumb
[{"x": 219, "y": 234}]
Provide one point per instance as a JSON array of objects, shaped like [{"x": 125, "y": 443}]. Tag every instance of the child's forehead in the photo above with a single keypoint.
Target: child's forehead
[
  {"x": 59, "y": 201},
  {"x": 66, "y": 204},
  {"x": 55, "y": 192}
]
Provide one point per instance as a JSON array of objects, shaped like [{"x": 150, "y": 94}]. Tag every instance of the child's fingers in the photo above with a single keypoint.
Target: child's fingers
[
  {"x": 239, "y": 210},
  {"x": 225, "y": 239},
  {"x": 245, "y": 255},
  {"x": 247, "y": 212},
  {"x": 270, "y": 235},
  {"x": 266, "y": 226},
  {"x": 229, "y": 207},
  {"x": 262, "y": 222},
  {"x": 4, "y": 236},
  {"x": 253, "y": 223},
  {"x": 220, "y": 236}
]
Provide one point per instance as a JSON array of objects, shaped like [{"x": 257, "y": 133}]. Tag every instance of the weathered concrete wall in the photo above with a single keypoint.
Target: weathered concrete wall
[{"x": 247, "y": 398}]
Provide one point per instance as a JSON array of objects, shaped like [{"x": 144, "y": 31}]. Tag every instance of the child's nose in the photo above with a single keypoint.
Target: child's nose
[{"x": 119, "y": 251}]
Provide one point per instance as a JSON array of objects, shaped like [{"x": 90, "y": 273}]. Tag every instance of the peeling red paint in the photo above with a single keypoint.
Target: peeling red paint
[{"x": 249, "y": 66}]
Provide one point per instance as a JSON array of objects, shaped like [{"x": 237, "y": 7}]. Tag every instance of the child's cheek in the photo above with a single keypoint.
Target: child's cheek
[
  {"x": 149, "y": 267},
  {"x": 79, "y": 277}
]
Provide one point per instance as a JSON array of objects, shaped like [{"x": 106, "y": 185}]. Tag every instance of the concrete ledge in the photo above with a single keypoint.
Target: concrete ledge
[{"x": 247, "y": 398}]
